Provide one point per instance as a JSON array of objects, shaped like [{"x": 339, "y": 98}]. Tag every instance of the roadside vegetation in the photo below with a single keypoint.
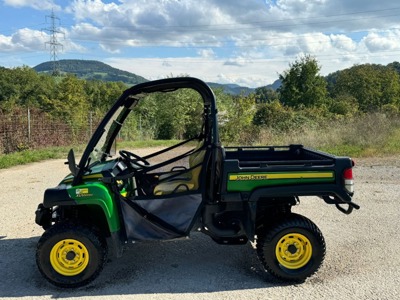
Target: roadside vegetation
[
  {"x": 35, "y": 155},
  {"x": 353, "y": 112}
]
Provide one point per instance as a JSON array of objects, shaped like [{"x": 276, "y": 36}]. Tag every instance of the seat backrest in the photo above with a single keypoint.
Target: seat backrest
[
  {"x": 192, "y": 181},
  {"x": 195, "y": 173},
  {"x": 197, "y": 156}
]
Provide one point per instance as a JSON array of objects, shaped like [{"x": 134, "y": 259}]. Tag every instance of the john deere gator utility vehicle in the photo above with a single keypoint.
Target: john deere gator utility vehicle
[{"x": 232, "y": 194}]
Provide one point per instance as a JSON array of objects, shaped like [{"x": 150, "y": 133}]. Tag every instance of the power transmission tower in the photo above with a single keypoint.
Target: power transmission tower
[{"x": 53, "y": 42}]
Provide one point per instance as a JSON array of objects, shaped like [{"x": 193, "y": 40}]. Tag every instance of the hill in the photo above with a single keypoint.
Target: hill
[
  {"x": 232, "y": 89},
  {"x": 91, "y": 70},
  {"x": 275, "y": 85},
  {"x": 96, "y": 70}
]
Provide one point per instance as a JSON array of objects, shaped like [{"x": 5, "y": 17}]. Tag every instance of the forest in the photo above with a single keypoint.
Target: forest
[{"x": 357, "y": 107}]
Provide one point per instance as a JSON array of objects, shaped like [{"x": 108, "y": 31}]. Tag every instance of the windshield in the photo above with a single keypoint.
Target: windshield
[{"x": 102, "y": 149}]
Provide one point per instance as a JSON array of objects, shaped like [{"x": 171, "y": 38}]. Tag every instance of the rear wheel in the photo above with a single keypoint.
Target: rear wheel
[
  {"x": 71, "y": 255},
  {"x": 292, "y": 249}
]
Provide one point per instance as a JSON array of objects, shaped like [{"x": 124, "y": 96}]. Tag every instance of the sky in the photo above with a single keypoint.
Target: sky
[{"x": 244, "y": 42}]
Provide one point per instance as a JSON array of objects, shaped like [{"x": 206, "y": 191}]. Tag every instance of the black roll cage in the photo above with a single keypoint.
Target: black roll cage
[{"x": 133, "y": 94}]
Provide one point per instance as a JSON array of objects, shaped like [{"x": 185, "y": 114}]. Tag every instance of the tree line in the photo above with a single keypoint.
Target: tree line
[{"x": 304, "y": 99}]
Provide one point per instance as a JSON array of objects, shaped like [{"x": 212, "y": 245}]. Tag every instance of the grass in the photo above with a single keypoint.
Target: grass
[
  {"x": 365, "y": 136},
  {"x": 29, "y": 156},
  {"x": 35, "y": 155},
  {"x": 146, "y": 144}
]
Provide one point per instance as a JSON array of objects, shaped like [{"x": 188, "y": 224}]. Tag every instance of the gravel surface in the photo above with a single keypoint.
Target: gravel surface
[{"x": 362, "y": 260}]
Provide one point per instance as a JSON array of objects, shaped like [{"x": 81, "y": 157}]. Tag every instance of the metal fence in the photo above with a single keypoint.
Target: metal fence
[{"x": 32, "y": 129}]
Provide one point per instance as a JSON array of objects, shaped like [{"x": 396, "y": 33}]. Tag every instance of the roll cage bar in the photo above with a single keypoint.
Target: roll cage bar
[{"x": 132, "y": 96}]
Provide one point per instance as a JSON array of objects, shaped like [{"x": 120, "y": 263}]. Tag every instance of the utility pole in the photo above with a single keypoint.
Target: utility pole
[{"x": 53, "y": 43}]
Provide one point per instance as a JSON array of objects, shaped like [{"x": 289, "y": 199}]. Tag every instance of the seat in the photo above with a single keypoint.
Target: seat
[
  {"x": 194, "y": 159},
  {"x": 188, "y": 181}
]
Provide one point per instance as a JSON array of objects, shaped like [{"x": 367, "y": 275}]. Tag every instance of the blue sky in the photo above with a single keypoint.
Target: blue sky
[{"x": 227, "y": 41}]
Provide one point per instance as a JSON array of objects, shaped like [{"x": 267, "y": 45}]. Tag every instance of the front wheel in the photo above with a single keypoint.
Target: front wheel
[
  {"x": 291, "y": 249},
  {"x": 71, "y": 255}
]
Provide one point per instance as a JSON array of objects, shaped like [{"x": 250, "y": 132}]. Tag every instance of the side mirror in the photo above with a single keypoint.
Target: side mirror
[{"x": 71, "y": 163}]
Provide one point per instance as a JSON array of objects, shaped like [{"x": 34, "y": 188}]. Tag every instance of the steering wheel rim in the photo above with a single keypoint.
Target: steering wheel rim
[{"x": 128, "y": 156}]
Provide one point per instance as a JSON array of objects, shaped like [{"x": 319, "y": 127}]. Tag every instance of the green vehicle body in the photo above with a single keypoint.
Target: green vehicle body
[{"x": 232, "y": 194}]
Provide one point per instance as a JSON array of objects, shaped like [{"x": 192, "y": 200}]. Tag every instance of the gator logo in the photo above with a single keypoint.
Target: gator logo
[{"x": 84, "y": 192}]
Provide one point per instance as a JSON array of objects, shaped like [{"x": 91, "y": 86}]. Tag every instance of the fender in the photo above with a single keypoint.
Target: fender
[
  {"x": 88, "y": 194},
  {"x": 330, "y": 193}
]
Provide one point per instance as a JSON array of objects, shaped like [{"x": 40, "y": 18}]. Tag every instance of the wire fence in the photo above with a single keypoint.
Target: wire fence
[{"x": 33, "y": 129}]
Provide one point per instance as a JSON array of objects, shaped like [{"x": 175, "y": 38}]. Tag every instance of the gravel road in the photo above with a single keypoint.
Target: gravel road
[{"x": 362, "y": 260}]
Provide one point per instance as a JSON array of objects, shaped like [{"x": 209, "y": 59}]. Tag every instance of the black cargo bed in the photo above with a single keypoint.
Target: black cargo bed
[{"x": 250, "y": 157}]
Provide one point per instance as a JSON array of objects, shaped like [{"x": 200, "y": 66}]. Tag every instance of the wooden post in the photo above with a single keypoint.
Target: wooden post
[{"x": 29, "y": 126}]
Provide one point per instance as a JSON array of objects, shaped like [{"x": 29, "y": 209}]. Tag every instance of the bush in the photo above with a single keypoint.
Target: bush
[
  {"x": 365, "y": 134},
  {"x": 345, "y": 105},
  {"x": 166, "y": 131}
]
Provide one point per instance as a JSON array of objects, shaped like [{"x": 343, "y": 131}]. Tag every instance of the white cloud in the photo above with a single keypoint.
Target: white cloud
[
  {"x": 382, "y": 41},
  {"x": 212, "y": 69},
  {"x": 27, "y": 40},
  {"x": 5, "y": 44},
  {"x": 237, "y": 62},
  {"x": 206, "y": 53},
  {"x": 36, "y": 4},
  {"x": 275, "y": 28},
  {"x": 94, "y": 10},
  {"x": 24, "y": 40},
  {"x": 168, "y": 22},
  {"x": 342, "y": 42}
]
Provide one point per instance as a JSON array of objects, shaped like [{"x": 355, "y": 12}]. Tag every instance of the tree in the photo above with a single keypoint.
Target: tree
[
  {"x": 265, "y": 95},
  {"x": 237, "y": 119},
  {"x": 22, "y": 86},
  {"x": 176, "y": 114},
  {"x": 301, "y": 84},
  {"x": 373, "y": 86},
  {"x": 395, "y": 65},
  {"x": 345, "y": 105},
  {"x": 102, "y": 95},
  {"x": 69, "y": 102},
  {"x": 273, "y": 115}
]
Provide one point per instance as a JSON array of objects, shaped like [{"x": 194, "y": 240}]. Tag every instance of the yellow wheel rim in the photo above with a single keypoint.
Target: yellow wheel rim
[
  {"x": 293, "y": 251},
  {"x": 69, "y": 257}
]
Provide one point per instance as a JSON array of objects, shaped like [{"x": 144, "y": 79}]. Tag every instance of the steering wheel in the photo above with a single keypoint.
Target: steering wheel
[{"x": 133, "y": 158}]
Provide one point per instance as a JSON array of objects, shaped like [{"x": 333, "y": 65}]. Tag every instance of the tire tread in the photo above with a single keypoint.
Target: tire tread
[
  {"x": 293, "y": 220},
  {"x": 89, "y": 232}
]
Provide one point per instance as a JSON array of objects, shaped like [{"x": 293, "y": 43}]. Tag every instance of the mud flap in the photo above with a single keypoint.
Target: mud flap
[{"x": 160, "y": 218}]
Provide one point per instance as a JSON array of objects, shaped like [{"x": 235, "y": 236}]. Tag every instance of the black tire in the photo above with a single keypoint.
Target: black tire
[
  {"x": 71, "y": 255},
  {"x": 291, "y": 249}
]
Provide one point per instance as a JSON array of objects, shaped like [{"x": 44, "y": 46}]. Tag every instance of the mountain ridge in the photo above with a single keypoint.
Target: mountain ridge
[
  {"x": 91, "y": 70},
  {"x": 97, "y": 70}
]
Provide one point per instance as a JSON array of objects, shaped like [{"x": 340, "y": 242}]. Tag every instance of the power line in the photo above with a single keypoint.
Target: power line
[
  {"x": 260, "y": 22},
  {"x": 237, "y": 26},
  {"x": 53, "y": 42}
]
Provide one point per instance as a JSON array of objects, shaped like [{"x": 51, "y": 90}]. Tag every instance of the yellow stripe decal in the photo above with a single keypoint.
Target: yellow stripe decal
[{"x": 267, "y": 176}]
